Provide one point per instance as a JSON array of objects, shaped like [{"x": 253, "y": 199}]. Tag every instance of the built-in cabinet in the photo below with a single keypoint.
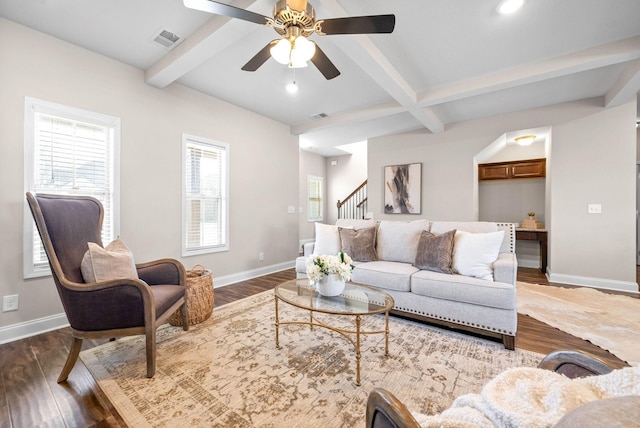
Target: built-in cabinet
[{"x": 530, "y": 168}]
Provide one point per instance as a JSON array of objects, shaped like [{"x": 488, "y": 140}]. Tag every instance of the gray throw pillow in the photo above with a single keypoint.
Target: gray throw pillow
[
  {"x": 435, "y": 252},
  {"x": 359, "y": 244}
]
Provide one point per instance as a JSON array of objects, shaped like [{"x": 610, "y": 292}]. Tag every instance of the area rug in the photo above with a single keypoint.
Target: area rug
[
  {"x": 609, "y": 321},
  {"x": 227, "y": 371}
]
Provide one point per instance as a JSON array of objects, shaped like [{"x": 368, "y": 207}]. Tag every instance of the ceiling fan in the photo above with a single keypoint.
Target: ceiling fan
[{"x": 295, "y": 21}]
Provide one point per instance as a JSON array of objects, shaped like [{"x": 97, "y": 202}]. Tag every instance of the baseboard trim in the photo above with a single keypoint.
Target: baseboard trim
[
  {"x": 30, "y": 328},
  {"x": 222, "y": 281},
  {"x": 603, "y": 284}
]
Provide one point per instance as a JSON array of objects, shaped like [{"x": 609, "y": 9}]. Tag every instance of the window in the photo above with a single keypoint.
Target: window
[
  {"x": 314, "y": 212},
  {"x": 69, "y": 151},
  {"x": 204, "y": 201}
]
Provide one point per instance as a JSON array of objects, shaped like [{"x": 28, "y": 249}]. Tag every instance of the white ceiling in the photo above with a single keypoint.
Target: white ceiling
[{"x": 446, "y": 61}]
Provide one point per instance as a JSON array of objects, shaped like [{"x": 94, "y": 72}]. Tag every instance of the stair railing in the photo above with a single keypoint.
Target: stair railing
[{"x": 355, "y": 205}]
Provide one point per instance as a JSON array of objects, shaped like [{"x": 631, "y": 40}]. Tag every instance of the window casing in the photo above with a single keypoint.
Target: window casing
[
  {"x": 69, "y": 151},
  {"x": 315, "y": 197},
  {"x": 205, "y": 207}
]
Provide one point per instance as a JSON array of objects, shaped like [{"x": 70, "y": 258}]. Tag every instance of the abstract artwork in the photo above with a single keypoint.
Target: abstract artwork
[{"x": 403, "y": 189}]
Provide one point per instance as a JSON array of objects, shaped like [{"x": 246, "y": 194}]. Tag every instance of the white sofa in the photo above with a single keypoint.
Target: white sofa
[{"x": 484, "y": 304}]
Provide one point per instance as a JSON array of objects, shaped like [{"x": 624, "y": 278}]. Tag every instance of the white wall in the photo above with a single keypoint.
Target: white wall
[
  {"x": 592, "y": 158},
  {"x": 36, "y": 65},
  {"x": 594, "y": 163}
]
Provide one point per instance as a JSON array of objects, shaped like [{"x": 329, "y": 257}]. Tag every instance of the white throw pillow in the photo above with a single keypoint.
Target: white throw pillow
[
  {"x": 475, "y": 253},
  {"x": 327, "y": 240},
  {"x": 115, "y": 261}
]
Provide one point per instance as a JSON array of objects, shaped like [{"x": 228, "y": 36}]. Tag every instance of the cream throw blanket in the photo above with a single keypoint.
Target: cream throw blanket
[{"x": 530, "y": 397}]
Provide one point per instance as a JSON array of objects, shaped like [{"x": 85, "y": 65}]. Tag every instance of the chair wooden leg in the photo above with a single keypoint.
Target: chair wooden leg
[
  {"x": 151, "y": 350},
  {"x": 71, "y": 359},
  {"x": 185, "y": 316}
]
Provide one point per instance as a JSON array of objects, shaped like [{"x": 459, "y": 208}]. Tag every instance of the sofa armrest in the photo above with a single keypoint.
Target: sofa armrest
[
  {"x": 384, "y": 410},
  {"x": 505, "y": 268},
  {"x": 308, "y": 248}
]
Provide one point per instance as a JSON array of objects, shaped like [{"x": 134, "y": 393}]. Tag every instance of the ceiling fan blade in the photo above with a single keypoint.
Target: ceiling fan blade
[
  {"x": 324, "y": 64},
  {"x": 226, "y": 10},
  {"x": 358, "y": 25},
  {"x": 259, "y": 58}
]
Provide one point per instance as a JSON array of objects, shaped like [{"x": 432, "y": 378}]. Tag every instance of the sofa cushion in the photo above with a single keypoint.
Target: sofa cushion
[
  {"x": 115, "y": 261},
  {"x": 383, "y": 274},
  {"x": 359, "y": 244},
  {"x": 327, "y": 239},
  {"x": 397, "y": 241},
  {"x": 465, "y": 289},
  {"x": 474, "y": 253},
  {"x": 435, "y": 252},
  {"x": 616, "y": 412}
]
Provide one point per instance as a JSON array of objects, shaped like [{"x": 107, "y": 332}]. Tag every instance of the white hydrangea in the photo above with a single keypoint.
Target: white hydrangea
[{"x": 320, "y": 265}]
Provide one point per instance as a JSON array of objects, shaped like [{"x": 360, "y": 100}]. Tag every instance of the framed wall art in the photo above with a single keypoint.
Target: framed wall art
[{"x": 403, "y": 189}]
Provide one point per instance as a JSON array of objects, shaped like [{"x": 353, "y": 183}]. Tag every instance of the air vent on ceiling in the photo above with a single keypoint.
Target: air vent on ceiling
[
  {"x": 319, "y": 116},
  {"x": 166, "y": 39}
]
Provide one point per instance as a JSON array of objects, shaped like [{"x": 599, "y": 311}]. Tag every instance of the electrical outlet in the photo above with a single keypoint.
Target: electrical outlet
[
  {"x": 10, "y": 303},
  {"x": 261, "y": 256}
]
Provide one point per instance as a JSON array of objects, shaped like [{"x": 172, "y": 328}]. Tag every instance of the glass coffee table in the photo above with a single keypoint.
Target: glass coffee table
[{"x": 356, "y": 300}]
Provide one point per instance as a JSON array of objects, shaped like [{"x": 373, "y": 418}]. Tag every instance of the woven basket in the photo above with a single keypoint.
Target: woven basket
[{"x": 199, "y": 297}]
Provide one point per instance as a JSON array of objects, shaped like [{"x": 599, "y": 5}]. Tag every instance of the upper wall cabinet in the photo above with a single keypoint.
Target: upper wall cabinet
[{"x": 531, "y": 168}]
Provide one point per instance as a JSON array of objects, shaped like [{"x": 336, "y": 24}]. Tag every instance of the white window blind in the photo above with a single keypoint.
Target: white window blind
[
  {"x": 314, "y": 212},
  {"x": 205, "y": 207},
  {"x": 72, "y": 152}
]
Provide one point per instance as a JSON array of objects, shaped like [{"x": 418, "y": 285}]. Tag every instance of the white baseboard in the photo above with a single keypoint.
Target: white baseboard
[
  {"x": 221, "y": 281},
  {"x": 30, "y": 328},
  {"x": 604, "y": 284}
]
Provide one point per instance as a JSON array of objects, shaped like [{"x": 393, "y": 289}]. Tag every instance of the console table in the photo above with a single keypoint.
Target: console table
[{"x": 539, "y": 235}]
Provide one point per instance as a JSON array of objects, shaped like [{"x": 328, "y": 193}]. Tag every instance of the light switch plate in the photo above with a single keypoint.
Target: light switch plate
[{"x": 594, "y": 208}]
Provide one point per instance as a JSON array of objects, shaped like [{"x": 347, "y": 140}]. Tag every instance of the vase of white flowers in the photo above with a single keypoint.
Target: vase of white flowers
[{"x": 329, "y": 273}]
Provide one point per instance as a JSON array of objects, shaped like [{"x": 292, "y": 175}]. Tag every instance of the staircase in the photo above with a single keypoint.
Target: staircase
[{"x": 354, "y": 206}]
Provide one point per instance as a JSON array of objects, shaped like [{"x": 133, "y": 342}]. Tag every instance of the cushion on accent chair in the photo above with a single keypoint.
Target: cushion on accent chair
[
  {"x": 359, "y": 244},
  {"x": 435, "y": 252},
  {"x": 115, "y": 261},
  {"x": 474, "y": 253}
]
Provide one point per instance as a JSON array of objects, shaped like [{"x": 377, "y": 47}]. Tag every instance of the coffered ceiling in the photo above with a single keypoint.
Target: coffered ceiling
[{"x": 446, "y": 61}]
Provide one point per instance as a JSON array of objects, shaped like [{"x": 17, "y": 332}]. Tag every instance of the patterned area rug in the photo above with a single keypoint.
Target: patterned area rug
[
  {"x": 609, "y": 321},
  {"x": 227, "y": 372}
]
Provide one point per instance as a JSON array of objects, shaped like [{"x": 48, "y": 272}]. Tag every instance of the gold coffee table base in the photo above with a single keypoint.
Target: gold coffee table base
[{"x": 357, "y": 300}]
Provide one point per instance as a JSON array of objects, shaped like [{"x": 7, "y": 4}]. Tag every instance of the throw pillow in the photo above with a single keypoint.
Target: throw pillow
[
  {"x": 115, "y": 261},
  {"x": 435, "y": 252},
  {"x": 474, "y": 253},
  {"x": 327, "y": 240},
  {"x": 359, "y": 244}
]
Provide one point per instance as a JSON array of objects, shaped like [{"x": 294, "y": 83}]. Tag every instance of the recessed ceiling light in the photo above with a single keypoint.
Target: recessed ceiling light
[
  {"x": 509, "y": 6},
  {"x": 525, "y": 140}
]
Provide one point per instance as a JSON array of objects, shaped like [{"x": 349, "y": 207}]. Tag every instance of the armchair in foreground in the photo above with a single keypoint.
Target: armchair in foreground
[
  {"x": 384, "y": 410},
  {"x": 108, "y": 308}
]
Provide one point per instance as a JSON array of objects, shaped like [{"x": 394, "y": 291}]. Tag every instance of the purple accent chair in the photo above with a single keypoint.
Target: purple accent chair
[{"x": 104, "y": 309}]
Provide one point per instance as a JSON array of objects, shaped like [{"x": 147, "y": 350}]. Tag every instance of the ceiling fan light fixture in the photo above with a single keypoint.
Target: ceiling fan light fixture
[
  {"x": 303, "y": 49},
  {"x": 281, "y": 51}
]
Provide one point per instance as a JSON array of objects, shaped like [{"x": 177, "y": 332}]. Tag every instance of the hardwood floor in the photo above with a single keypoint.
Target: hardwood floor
[{"x": 30, "y": 395}]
